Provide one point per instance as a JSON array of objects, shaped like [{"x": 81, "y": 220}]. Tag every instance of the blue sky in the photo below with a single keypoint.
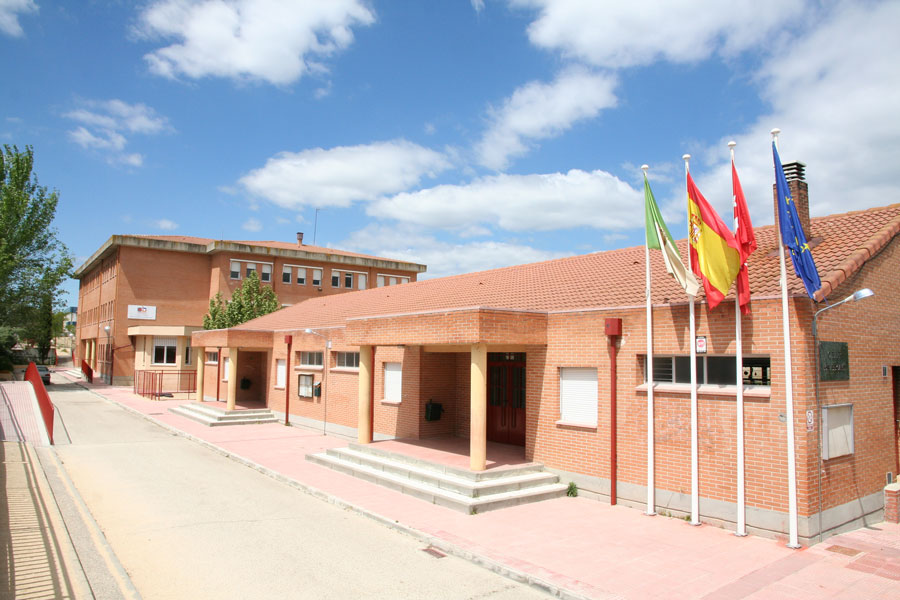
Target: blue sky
[{"x": 462, "y": 134}]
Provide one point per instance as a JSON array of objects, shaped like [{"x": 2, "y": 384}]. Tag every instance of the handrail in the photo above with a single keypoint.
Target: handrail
[
  {"x": 32, "y": 376},
  {"x": 88, "y": 371}
]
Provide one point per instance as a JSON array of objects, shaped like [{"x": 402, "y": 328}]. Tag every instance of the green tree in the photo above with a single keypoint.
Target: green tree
[
  {"x": 33, "y": 262},
  {"x": 249, "y": 301}
]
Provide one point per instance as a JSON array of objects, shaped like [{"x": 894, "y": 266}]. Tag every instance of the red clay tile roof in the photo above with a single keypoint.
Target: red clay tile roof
[{"x": 601, "y": 280}]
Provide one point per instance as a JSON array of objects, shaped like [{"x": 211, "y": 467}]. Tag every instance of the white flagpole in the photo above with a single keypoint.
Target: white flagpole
[
  {"x": 651, "y": 484},
  {"x": 695, "y": 472},
  {"x": 793, "y": 542},
  {"x": 741, "y": 528}
]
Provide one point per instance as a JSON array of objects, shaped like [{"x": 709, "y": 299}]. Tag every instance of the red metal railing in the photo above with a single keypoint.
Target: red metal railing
[
  {"x": 32, "y": 375},
  {"x": 88, "y": 371},
  {"x": 155, "y": 384}
]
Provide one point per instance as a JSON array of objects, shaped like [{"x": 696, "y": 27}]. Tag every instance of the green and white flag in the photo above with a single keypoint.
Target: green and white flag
[{"x": 659, "y": 238}]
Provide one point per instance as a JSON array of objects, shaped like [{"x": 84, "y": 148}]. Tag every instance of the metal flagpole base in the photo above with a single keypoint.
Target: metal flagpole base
[
  {"x": 738, "y": 534},
  {"x": 697, "y": 524},
  {"x": 794, "y": 546},
  {"x": 649, "y": 514}
]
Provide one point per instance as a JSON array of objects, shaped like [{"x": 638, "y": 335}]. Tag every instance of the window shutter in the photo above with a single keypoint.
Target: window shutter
[
  {"x": 578, "y": 395},
  {"x": 280, "y": 373},
  {"x": 393, "y": 378}
]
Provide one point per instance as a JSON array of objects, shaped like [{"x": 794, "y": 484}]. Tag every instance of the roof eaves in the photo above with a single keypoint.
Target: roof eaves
[
  {"x": 346, "y": 259},
  {"x": 858, "y": 258},
  {"x": 438, "y": 311}
]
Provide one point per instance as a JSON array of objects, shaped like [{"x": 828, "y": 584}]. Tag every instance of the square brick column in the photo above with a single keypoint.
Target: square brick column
[
  {"x": 201, "y": 368},
  {"x": 478, "y": 413},
  {"x": 892, "y": 503}
]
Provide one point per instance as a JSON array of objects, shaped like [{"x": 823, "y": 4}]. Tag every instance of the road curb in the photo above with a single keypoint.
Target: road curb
[{"x": 441, "y": 544}]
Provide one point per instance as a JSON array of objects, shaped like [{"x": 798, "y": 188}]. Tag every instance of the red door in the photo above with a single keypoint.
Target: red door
[{"x": 506, "y": 398}]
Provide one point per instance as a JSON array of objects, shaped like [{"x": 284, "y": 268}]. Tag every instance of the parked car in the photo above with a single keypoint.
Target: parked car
[{"x": 44, "y": 373}]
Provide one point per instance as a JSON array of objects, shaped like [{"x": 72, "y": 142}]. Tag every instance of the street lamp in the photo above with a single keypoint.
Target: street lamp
[
  {"x": 324, "y": 375},
  {"x": 857, "y": 295}
]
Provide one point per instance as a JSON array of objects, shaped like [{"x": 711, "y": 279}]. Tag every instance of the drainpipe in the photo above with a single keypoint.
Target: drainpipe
[
  {"x": 613, "y": 331},
  {"x": 218, "y": 372},
  {"x": 287, "y": 370}
]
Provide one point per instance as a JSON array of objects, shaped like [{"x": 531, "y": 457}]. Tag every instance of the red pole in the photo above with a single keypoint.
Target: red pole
[
  {"x": 613, "y": 331},
  {"x": 287, "y": 380},
  {"x": 218, "y": 366}
]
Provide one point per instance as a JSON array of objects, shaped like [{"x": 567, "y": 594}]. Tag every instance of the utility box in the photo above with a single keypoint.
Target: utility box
[
  {"x": 613, "y": 327},
  {"x": 433, "y": 410}
]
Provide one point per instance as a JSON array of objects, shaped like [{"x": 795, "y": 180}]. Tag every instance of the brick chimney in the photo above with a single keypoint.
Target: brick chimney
[
  {"x": 795, "y": 173},
  {"x": 299, "y": 238}
]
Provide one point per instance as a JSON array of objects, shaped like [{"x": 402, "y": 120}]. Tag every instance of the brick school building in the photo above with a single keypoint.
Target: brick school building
[
  {"x": 533, "y": 356},
  {"x": 140, "y": 297}
]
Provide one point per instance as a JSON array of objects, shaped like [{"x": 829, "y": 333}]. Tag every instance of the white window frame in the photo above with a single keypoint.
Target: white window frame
[
  {"x": 361, "y": 281},
  {"x": 161, "y": 342},
  {"x": 304, "y": 390},
  {"x": 250, "y": 267},
  {"x": 335, "y": 279},
  {"x": 316, "y": 354},
  {"x": 301, "y": 275},
  {"x": 235, "y": 263},
  {"x": 280, "y": 373},
  {"x": 578, "y": 396},
  {"x": 348, "y": 280},
  {"x": 317, "y": 277},
  {"x": 838, "y": 431},
  {"x": 265, "y": 273},
  {"x": 212, "y": 358},
  {"x": 286, "y": 270},
  {"x": 393, "y": 382},
  {"x": 347, "y": 357}
]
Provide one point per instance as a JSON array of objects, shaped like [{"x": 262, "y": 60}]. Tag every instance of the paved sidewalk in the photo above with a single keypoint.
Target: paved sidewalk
[
  {"x": 37, "y": 559},
  {"x": 574, "y": 547}
]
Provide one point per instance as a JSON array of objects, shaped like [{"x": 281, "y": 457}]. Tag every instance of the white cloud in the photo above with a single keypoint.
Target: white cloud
[
  {"x": 165, "y": 225},
  {"x": 521, "y": 203},
  {"x": 252, "y": 225},
  {"x": 442, "y": 258},
  {"x": 611, "y": 33},
  {"x": 277, "y": 41},
  {"x": 9, "y": 15},
  {"x": 343, "y": 175},
  {"x": 104, "y": 123},
  {"x": 538, "y": 111},
  {"x": 836, "y": 104},
  {"x": 478, "y": 5}
]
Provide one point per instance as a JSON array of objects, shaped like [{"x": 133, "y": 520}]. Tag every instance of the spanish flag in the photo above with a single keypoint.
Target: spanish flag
[{"x": 715, "y": 254}]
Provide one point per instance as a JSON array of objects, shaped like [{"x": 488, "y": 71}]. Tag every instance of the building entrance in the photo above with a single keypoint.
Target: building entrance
[{"x": 506, "y": 398}]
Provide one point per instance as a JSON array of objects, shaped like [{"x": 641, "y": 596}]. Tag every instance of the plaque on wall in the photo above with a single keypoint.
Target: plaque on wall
[
  {"x": 146, "y": 313},
  {"x": 834, "y": 361}
]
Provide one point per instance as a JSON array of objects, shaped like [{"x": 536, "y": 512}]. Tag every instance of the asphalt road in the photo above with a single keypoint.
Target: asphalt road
[{"x": 186, "y": 522}]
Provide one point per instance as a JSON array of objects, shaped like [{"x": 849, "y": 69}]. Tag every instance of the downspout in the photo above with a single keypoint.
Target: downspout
[
  {"x": 613, "y": 331},
  {"x": 218, "y": 370},
  {"x": 287, "y": 381}
]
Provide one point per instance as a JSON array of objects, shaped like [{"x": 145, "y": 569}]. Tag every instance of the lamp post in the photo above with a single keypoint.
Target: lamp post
[
  {"x": 324, "y": 374},
  {"x": 857, "y": 295},
  {"x": 109, "y": 351}
]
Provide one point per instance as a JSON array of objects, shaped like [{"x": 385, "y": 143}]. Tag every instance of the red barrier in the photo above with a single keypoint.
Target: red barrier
[
  {"x": 156, "y": 384},
  {"x": 88, "y": 371},
  {"x": 32, "y": 376}
]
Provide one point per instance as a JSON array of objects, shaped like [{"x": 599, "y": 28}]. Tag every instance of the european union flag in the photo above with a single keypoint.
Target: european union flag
[{"x": 792, "y": 232}]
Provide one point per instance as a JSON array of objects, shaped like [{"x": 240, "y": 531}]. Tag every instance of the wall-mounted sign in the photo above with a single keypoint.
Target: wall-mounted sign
[
  {"x": 810, "y": 420},
  {"x": 834, "y": 361},
  {"x": 139, "y": 311},
  {"x": 701, "y": 345}
]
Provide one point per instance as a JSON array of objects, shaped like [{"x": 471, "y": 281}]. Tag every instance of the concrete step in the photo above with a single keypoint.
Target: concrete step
[
  {"x": 217, "y": 417},
  {"x": 428, "y": 483},
  {"x": 427, "y": 473},
  {"x": 375, "y": 450}
]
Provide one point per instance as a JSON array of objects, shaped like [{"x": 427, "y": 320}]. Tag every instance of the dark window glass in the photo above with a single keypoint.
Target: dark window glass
[{"x": 721, "y": 370}]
